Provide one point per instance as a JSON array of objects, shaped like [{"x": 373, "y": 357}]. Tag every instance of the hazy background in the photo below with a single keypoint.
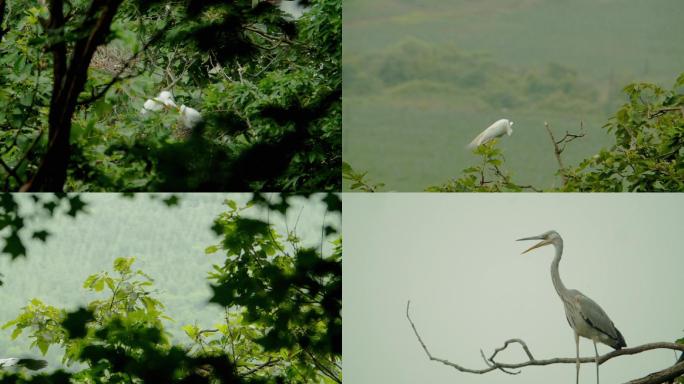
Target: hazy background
[
  {"x": 423, "y": 77},
  {"x": 456, "y": 258},
  {"x": 169, "y": 244}
]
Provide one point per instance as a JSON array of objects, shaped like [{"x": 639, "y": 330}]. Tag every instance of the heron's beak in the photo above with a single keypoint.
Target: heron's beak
[{"x": 540, "y": 244}]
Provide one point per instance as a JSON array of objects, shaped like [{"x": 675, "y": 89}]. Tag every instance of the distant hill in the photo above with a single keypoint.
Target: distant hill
[
  {"x": 169, "y": 244},
  {"x": 423, "y": 78}
]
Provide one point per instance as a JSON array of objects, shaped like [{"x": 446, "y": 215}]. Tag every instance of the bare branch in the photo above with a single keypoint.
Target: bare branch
[
  {"x": 119, "y": 74},
  {"x": 655, "y": 378},
  {"x": 663, "y": 111},
  {"x": 559, "y": 145},
  {"x": 664, "y": 376}
]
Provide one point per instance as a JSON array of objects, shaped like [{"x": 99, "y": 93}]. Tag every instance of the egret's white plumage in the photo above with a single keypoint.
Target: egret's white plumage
[
  {"x": 585, "y": 317},
  {"x": 15, "y": 362},
  {"x": 166, "y": 98},
  {"x": 293, "y": 8},
  {"x": 162, "y": 101},
  {"x": 190, "y": 117},
  {"x": 498, "y": 129}
]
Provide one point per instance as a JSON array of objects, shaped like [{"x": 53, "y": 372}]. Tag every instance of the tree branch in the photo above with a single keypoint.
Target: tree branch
[
  {"x": 655, "y": 378},
  {"x": 663, "y": 111},
  {"x": 2, "y": 18},
  {"x": 559, "y": 146}
]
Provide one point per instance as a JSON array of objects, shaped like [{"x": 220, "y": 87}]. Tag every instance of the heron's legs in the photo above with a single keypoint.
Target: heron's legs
[
  {"x": 577, "y": 361},
  {"x": 597, "y": 364}
]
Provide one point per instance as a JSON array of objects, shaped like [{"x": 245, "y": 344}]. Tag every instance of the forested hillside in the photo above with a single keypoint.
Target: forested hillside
[
  {"x": 423, "y": 79},
  {"x": 179, "y": 243}
]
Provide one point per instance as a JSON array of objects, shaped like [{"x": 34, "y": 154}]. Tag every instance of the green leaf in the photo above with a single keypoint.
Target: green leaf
[
  {"x": 232, "y": 204},
  {"x": 14, "y": 246},
  {"x": 17, "y": 331},
  {"x": 99, "y": 285},
  {"x": 41, "y": 235},
  {"x": 43, "y": 346},
  {"x": 75, "y": 322}
]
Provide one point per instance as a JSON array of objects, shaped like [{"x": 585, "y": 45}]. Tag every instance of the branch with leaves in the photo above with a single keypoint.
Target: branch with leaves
[
  {"x": 358, "y": 180},
  {"x": 494, "y": 365}
]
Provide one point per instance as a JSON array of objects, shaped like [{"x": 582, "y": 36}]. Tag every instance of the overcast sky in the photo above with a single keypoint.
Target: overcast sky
[{"x": 456, "y": 258}]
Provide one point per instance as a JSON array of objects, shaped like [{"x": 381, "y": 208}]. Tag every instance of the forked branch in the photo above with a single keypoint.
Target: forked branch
[
  {"x": 514, "y": 368},
  {"x": 559, "y": 145}
]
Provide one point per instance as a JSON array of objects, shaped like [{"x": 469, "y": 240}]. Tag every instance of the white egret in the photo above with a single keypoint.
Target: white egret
[
  {"x": 163, "y": 101},
  {"x": 293, "y": 8},
  {"x": 585, "y": 317},
  {"x": 15, "y": 362},
  {"x": 498, "y": 129},
  {"x": 190, "y": 117}
]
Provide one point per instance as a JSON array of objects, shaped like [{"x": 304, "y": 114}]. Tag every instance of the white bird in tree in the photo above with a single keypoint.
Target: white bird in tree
[
  {"x": 498, "y": 129},
  {"x": 190, "y": 117},
  {"x": 163, "y": 101},
  {"x": 585, "y": 317},
  {"x": 15, "y": 362}
]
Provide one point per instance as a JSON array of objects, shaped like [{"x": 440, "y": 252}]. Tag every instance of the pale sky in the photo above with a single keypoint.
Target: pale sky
[{"x": 455, "y": 257}]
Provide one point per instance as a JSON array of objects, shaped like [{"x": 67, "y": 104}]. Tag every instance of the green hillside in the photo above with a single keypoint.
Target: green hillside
[
  {"x": 168, "y": 242},
  {"x": 423, "y": 78}
]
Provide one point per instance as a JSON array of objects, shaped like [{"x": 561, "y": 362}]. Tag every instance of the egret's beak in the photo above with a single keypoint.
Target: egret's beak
[{"x": 542, "y": 243}]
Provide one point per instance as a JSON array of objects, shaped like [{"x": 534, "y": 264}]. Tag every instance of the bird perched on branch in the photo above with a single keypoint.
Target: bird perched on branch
[
  {"x": 163, "y": 101},
  {"x": 585, "y": 317},
  {"x": 498, "y": 129},
  {"x": 190, "y": 117},
  {"x": 15, "y": 362}
]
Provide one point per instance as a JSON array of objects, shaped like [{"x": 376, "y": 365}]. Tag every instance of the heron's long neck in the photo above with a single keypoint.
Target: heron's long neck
[{"x": 555, "y": 275}]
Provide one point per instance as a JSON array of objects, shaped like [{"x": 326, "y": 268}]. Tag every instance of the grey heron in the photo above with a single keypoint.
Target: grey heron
[
  {"x": 585, "y": 317},
  {"x": 497, "y": 129},
  {"x": 32, "y": 364}
]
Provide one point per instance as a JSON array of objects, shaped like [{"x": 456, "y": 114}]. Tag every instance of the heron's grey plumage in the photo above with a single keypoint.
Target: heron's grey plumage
[{"x": 585, "y": 317}]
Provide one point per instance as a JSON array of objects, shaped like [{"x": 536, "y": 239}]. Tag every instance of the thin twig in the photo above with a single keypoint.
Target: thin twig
[
  {"x": 118, "y": 76},
  {"x": 663, "y": 111},
  {"x": 559, "y": 146}
]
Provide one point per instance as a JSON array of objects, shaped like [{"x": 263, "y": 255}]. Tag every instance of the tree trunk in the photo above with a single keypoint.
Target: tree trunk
[{"x": 68, "y": 84}]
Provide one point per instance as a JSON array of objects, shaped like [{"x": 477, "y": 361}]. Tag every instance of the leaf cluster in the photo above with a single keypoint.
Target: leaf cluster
[
  {"x": 14, "y": 222},
  {"x": 648, "y": 154},
  {"x": 290, "y": 292}
]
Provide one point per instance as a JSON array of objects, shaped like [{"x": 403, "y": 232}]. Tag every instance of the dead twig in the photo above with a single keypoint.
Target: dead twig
[{"x": 559, "y": 146}]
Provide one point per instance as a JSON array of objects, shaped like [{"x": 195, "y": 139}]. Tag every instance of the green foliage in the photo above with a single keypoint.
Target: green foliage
[
  {"x": 235, "y": 62},
  {"x": 289, "y": 294},
  {"x": 129, "y": 293},
  {"x": 358, "y": 180},
  {"x": 123, "y": 351},
  {"x": 129, "y": 300},
  {"x": 121, "y": 336},
  {"x": 43, "y": 322},
  {"x": 413, "y": 67},
  {"x": 648, "y": 154},
  {"x": 488, "y": 176}
]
